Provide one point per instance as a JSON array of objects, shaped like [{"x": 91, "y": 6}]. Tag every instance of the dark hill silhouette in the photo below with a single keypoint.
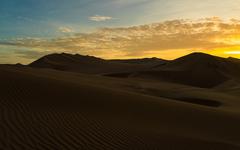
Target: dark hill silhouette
[
  {"x": 86, "y": 64},
  {"x": 194, "y": 60},
  {"x": 196, "y": 69},
  {"x": 234, "y": 59},
  {"x": 149, "y": 61}
]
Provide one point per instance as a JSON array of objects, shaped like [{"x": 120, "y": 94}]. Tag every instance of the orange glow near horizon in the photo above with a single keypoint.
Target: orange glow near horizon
[
  {"x": 226, "y": 52},
  {"x": 167, "y": 40}
]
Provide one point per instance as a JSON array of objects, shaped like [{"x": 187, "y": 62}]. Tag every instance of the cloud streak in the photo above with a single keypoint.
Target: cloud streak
[
  {"x": 65, "y": 29},
  {"x": 167, "y": 39},
  {"x": 99, "y": 18}
]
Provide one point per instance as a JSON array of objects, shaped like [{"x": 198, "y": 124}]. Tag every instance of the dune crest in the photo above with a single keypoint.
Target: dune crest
[{"x": 64, "y": 101}]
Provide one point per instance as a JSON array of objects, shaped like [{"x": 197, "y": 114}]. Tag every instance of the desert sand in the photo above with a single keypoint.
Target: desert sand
[{"x": 64, "y": 101}]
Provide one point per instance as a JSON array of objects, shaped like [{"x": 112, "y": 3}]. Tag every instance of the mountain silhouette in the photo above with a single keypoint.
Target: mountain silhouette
[
  {"x": 196, "y": 69},
  {"x": 87, "y": 64}
]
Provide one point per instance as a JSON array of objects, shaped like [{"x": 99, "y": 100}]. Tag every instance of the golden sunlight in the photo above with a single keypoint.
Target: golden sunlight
[
  {"x": 226, "y": 52},
  {"x": 233, "y": 52},
  {"x": 232, "y": 39}
]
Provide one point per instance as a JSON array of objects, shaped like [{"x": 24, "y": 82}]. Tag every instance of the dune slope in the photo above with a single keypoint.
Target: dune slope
[
  {"x": 89, "y": 64},
  {"x": 39, "y": 111},
  {"x": 197, "y": 69}
]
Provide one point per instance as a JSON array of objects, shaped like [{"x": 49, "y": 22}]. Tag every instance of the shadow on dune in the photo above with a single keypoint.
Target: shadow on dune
[
  {"x": 197, "y": 69},
  {"x": 175, "y": 97},
  {"x": 198, "y": 101},
  {"x": 184, "y": 99}
]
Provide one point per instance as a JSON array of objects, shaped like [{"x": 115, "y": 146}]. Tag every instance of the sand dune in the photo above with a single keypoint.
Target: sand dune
[
  {"x": 89, "y": 64},
  {"x": 47, "y": 109},
  {"x": 196, "y": 69},
  {"x": 149, "y": 61}
]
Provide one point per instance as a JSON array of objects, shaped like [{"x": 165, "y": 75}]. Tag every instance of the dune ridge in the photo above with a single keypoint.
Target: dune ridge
[
  {"x": 196, "y": 69},
  {"x": 76, "y": 120},
  {"x": 88, "y": 64},
  {"x": 51, "y": 108}
]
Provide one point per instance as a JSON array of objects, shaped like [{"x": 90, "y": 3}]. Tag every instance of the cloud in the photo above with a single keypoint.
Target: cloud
[
  {"x": 167, "y": 39},
  {"x": 99, "y": 18},
  {"x": 31, "y": 54},
  {"x": 65, "y": 29}
]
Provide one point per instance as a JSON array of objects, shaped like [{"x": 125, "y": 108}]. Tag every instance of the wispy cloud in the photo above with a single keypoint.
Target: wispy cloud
[
  {"x": 165, "y": 39},
  {"x": 30, "y": 54},
  {"x": 65, "y": 29},
  {"x": 99, "y": 18}
]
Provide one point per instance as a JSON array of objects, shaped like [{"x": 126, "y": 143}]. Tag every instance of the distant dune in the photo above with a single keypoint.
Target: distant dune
[
  {"x": 88, "y": 64},
  {"x": 64, "y": 101},
  {"x": 149, "y": 61},
  {"x": 197, "y": 69}
]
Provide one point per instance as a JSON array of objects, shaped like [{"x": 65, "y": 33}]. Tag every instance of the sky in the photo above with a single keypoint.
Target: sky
[{"x": 118, "y": 29}]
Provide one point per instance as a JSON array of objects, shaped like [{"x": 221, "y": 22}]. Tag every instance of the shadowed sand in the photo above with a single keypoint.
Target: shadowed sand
[
  {"x": 46, "y": 109},
  {"x": 50, "y": 109},
  {"x": 197, "y": 69},
  {"x": 92, "y": 65}
]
